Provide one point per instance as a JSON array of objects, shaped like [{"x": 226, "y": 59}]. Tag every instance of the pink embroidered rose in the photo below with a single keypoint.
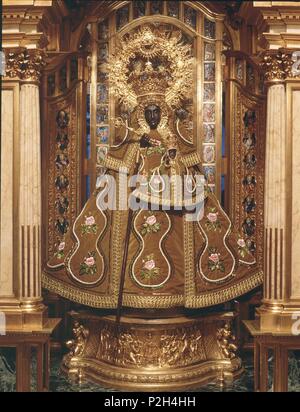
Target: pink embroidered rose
[
  {"x": 212, "y": 217},
  {"x": 151, "y": 220},
  {"x": 149, "y": 265},
  {"x": 241, "y": 243},
  {"x": 89, "y": 221},
  {"x": 214, "y": 257},
  {"x": 90, "y": 261},
  {"x": 61, "y": 246}
]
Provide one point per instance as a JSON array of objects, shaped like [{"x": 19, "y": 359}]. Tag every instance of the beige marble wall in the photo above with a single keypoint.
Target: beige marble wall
[
  {"x": 295, "y": 275},
  {"x": 7, "y": 176}
]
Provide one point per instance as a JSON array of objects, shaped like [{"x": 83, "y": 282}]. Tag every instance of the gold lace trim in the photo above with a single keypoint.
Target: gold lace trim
[
  {"x": 117, "y": 164},
  {"x": 72, "y": 293},
  {"x": 110, "y": 302},
  {"x": 226, "y": 294},
  {"x": 191, "y": 159}
]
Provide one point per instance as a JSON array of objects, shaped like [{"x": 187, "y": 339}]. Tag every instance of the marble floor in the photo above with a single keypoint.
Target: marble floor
[{"x": 59, "y": 382}]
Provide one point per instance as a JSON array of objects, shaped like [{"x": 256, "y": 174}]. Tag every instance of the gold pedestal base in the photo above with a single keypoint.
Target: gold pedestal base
[
  {"x": 148, "y": 352},
  {"x": 24, "y": 314},
  {"x": 277, "y": 317}
]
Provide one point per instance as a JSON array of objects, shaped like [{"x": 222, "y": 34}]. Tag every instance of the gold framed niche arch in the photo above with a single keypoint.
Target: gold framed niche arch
[{"x": 204, "y": 30}]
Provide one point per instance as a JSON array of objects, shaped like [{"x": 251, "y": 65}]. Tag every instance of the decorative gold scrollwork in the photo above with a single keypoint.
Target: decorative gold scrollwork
[
  {"x": 277, "y": 66},
  {"x": 25, "y": 64}
]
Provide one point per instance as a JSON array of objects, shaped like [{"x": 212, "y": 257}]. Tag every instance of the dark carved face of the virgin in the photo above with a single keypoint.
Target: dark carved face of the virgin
[{"x": 153, "y": 115}]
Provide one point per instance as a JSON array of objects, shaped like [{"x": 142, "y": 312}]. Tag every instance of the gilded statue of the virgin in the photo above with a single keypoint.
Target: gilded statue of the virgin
[{"x": 177, "y": 246}]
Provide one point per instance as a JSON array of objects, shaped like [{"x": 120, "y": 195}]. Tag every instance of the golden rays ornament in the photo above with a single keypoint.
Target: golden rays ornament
[{"x": 152, "y": 62}]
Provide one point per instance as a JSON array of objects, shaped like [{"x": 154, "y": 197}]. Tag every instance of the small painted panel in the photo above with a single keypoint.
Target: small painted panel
[
  {"x": 210, "y": 174},
  {"x": 102, "y": 93},
  {"x": 103, "y": 30},
  {"x": 209, "y": 133},
  {"x": 209, "y": 92},
  {"x": 209, "y": 114},
  {"x": 139, "y": 8},
  {"x": 209, "y": 154},
  {"x": 209, "y": 51},
  {"x": 101, "y": 154},
  {"x": 102, "y": 114},
  {"x": 173, "y": 9},
  {"x": 102, "y": 135},
  {"x": 209, "y": 29},
  {"x": 122, "y": 17},
  {"x": 190, "y": 17},
  {"x": 209, "y": 72},
  {"x": 156, "y": 7}
]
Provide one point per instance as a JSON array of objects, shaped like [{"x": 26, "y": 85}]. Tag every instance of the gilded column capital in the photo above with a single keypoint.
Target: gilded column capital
[
  {"x": 24, "y": 64},
  {"x": 278, "y": 66}
]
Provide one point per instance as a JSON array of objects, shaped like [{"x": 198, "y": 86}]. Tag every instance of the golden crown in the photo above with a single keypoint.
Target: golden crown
[
  {"x": 152, "y": 62},
  {"x": 147, "y": 78}
]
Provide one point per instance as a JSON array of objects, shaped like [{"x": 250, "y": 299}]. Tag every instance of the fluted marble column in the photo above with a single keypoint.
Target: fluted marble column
[
  {"x": 275, "y": 196},
  {"x": 280, "y": 212},
  {"x": 20, "y": 289},
  {"x": 30, "y": 195}
]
